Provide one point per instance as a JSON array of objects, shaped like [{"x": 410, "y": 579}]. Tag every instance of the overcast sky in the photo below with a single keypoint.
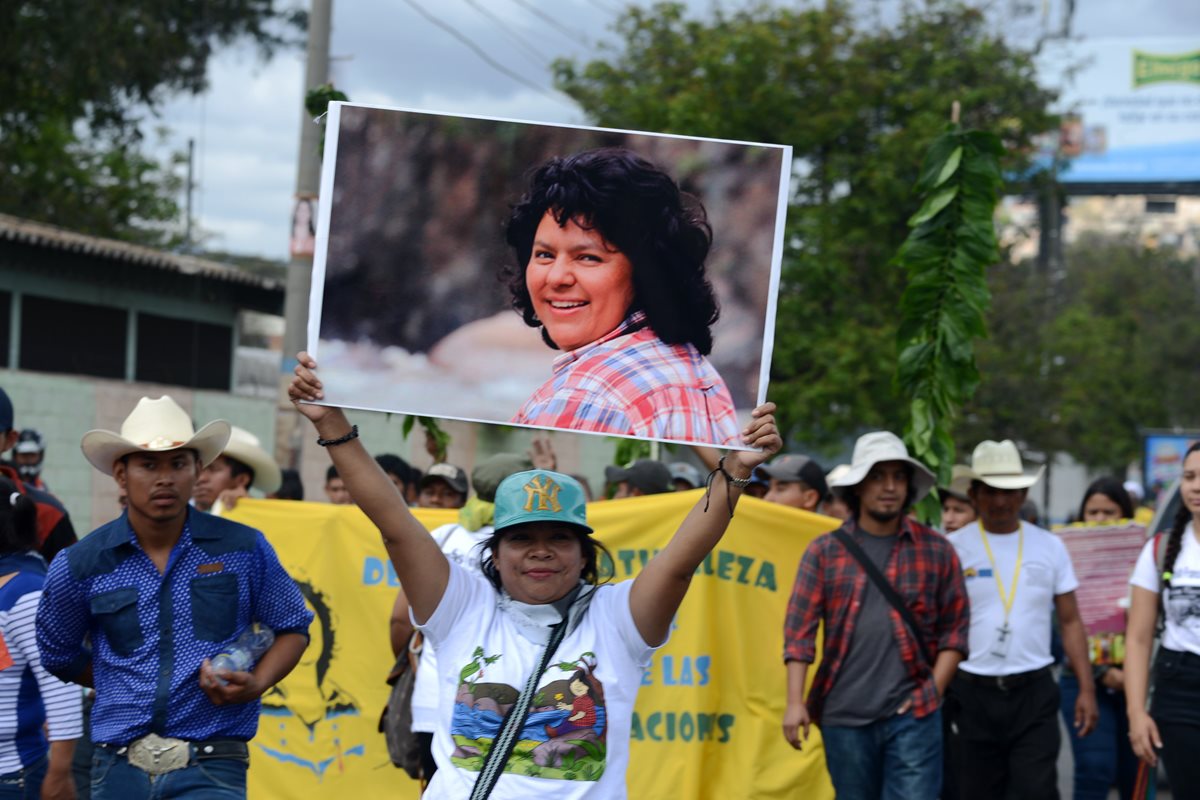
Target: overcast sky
[{"x": 387, "y": 52}]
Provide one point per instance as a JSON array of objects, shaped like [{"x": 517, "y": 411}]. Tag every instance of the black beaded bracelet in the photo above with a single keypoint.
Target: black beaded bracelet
[
  {"x": 353, "y": 434},
  {"x": 740, "y": 483}
]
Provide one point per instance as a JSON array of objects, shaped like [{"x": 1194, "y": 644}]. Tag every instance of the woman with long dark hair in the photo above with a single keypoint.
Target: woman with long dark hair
[
  {"x": 1171, "y": 727},
  {"x": 610, "y": 266},
  {"x": 32, "y": 701},
  {"x": 510, "y": 641}
]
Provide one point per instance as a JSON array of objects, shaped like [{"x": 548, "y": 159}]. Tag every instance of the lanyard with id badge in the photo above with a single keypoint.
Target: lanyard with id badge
[{"x": 1004, "y": 633}]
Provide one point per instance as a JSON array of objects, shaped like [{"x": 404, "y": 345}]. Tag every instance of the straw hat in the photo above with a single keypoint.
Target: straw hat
[
  {"x": 154, "y": 426},
  {"x": 245, "y": 447},
  {"x": 998, "y": 464}
]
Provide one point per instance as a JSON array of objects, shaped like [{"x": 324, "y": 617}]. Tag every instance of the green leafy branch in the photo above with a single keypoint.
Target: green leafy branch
[
  {"x": 942, "y": 310},
  {"x": 441, "y": 439}
]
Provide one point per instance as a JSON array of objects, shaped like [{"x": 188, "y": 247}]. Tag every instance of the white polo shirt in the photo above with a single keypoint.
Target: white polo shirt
[{"x": 1045, "y": 573}]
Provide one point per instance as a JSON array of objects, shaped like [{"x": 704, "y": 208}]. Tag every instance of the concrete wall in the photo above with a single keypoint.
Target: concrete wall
[{"x": 64, "y": 407}]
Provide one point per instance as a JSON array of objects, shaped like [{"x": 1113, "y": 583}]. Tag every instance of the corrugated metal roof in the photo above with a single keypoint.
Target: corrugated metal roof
[{"x": 42, "y": 235}]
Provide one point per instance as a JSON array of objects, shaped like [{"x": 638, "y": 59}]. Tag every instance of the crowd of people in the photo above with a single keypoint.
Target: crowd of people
[{"x": 947, "y": 655}]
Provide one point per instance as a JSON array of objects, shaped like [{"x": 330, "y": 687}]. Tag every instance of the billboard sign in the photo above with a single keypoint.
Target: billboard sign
[{"x": 1131, "y": 110}]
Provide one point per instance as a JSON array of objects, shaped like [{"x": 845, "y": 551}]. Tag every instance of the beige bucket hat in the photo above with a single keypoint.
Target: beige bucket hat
[
  {"x": 998, "y": 464},
  {"x": 245, "y": 447},
  {"x": 154, "y": 426},
  {"x": 873, "y": 448}
]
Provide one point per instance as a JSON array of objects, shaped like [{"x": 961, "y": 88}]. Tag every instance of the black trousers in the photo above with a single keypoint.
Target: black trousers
[
  {"x": 1008, "y": 736},
  {"x": 1176, "y": 712}
]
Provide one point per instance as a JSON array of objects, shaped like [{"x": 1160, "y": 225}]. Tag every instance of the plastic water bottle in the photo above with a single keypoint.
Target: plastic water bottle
[{"x": 249, "y": 647}]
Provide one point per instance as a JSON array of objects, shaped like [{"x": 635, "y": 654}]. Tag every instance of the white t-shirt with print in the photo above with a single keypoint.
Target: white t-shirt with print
[
  {"x": 575, "y": 743},
  {"x": 1182, "y": 600},
  {"x": 1045, "y": 572},
  {"x": 463, "y": 547}
]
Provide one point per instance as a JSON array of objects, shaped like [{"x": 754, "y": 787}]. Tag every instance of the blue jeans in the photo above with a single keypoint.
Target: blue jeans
[
  {"x": 898, "y": 758},
  {"x": 114, "y": 778},
  {"x": 24, "y": 784},
  {"x": 1103, "y": 757}
]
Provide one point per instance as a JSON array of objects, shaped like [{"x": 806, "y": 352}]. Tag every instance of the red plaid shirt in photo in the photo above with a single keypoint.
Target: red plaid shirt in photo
[
  {"x": 631, "y": 382},
  {"x": 923, "y": 569}
]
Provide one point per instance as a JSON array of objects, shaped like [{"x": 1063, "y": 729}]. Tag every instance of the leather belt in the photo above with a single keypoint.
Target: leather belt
[
  {"x": 157, "y": 755},
  {"x": 1005, "y": 683}
]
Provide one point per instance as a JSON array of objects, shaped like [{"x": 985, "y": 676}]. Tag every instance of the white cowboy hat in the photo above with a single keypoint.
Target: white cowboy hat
[
  {"x": 245, "y": 447},
  {"x": 998, "y": 464},
  {"x": 877, "y": 447},
  {"x": 154, "y": 426}
]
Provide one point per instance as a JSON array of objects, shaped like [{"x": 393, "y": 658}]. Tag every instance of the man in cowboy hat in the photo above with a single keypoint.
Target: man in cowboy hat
[
  {"x": 159, "y": 591},
  {"x": 1005, "y": 693},
  {"x": 883, "y": 671},
  {"x": 242, "y": 466}
]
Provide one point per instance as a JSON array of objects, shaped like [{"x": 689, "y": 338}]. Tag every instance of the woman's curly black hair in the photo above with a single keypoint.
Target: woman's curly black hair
[{"x": 639, "y": 210}]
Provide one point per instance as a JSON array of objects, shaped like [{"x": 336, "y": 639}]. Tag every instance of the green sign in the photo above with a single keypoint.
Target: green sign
[{"x": 1150, "y": 68}]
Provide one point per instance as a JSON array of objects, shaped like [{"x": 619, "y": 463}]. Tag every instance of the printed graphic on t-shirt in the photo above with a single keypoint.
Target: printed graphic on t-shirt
[
  {"x": 563, "y": 736},
  {"x": 1183, "y": 606}
]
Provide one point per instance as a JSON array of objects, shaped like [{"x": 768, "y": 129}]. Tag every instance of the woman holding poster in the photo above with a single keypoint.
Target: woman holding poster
[
  {"x": 610, "y": 257},
  {"x": 1102, "y": 758},
  {"x": 541, "y": 667},
  {"x": 1166, "y": 581}
]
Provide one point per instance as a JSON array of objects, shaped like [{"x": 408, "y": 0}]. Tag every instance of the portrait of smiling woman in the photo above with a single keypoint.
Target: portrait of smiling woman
[
  {"x": 611, "y": 258},
  {"x": 552, "y": 276}
]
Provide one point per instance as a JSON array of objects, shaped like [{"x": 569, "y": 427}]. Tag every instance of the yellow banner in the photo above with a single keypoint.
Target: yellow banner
[{"x": 708, "y": 716}]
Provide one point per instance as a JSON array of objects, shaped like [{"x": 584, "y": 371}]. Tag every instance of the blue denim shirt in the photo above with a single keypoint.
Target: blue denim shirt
[{"x": 150, "y": 631}]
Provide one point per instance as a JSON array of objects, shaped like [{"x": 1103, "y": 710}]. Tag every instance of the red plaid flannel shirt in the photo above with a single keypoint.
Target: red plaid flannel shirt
[{"x": 923, "y": 569}]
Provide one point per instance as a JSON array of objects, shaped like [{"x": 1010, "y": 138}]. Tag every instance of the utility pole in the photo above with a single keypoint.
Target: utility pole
[{"x": 308, "y": 179}]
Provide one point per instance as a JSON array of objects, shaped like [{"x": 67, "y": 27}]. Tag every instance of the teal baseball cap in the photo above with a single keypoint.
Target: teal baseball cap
[{"x": 539, "y": 495}]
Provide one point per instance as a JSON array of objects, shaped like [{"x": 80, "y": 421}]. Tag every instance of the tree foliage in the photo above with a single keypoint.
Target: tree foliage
[
  {"x": 1080, "y": 362},
  {"x": 80, "y": 77},
  {"x": 946, "y": 257},
  {"x": 860, "y": 104}
]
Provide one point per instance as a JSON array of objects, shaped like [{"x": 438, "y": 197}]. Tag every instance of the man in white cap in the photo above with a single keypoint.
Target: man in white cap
[
  {"x": 1005, "y": 695},
  {"x": 242, "y": 466},
  {"x": 887, "y": 658},
  {"x": 159, "y": 591}
]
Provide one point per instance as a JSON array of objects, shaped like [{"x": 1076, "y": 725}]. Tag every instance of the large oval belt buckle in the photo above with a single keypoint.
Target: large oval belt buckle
[{"x": 156, "y": 754}]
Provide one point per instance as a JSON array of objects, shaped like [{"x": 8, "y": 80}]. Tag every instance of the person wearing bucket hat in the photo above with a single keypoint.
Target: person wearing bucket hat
[
  {"x": 1006, "y": 697},
  {"x": 158, "y": 592},
  {"x": 884, "y": 668},
  {"x": 243, "y": 465},
  {"x": 535, "y": 622}
]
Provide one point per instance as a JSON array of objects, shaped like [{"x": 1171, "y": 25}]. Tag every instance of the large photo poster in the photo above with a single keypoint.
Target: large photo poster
[{"x": 551, "y": 276}]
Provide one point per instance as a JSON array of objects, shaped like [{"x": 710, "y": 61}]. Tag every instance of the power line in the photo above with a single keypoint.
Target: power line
[
  {"x": 479, "y": 51},
  {"x": 520, "y": 41},
  {"x": 552, "y": 22}
]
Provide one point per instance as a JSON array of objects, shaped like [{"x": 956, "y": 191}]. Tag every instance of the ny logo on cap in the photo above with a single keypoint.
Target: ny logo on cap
[{"x": 541, "y": 494}]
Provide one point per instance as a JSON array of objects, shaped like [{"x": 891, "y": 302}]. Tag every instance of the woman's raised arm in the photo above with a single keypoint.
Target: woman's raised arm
[
  {"x": 659, "y": 588},
  {"x": 419, "y": 563}
]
